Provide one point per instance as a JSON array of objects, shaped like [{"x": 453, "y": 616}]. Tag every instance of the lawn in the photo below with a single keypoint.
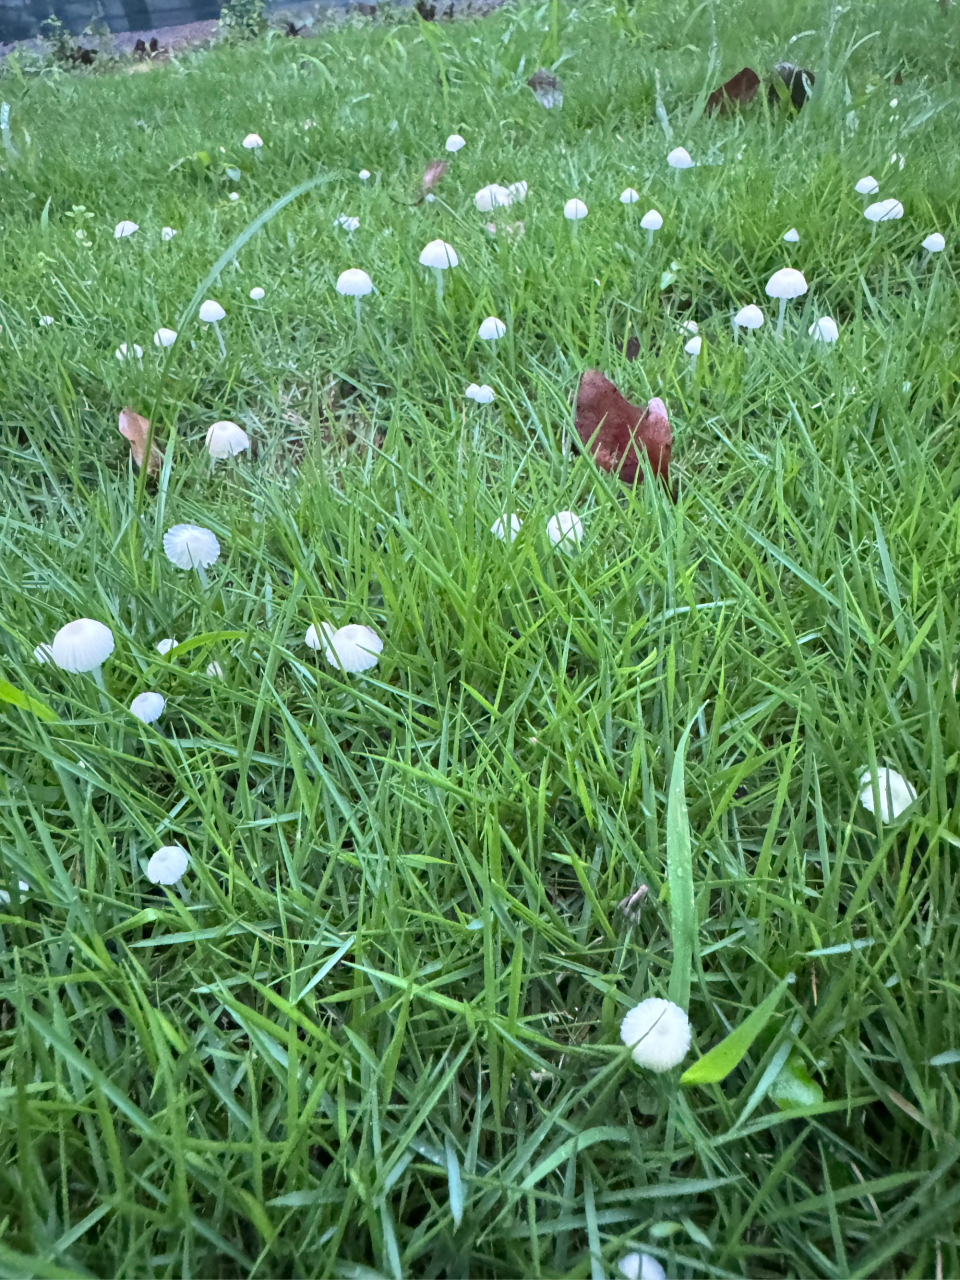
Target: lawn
[{"x": 374, "y": 1027}]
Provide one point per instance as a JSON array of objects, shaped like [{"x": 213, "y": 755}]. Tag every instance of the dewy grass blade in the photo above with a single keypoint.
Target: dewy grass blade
[
  {"x": 683, "y": 924},
  {"x": 717, "y": 1064}
]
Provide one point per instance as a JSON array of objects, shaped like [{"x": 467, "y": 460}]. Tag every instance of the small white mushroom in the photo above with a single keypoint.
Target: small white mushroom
[
  {"x": 123, "y": 351},
  {"x": 565, "y": 531},
  {"x": 347, "y": 223},
  {"x": 629, "y": 196},
  {"x": 641, "y": 1266},
  {"x": 252, "y": 142},
  {"x": 354, "y": 647},
  {"x": 506, "y": 528},
  {"x": 783, "y": 284},
  {"x": 679, "y": 158},
  {"x": 439, "y": 257},
  {"x": 934, "y": 243},
  {"x": 214, "y": 671},
  {"x": 867, "y": 186},
  {"x": 355, "y": 284},
  {"x": 824, "y": 330},
  {"x": 81, "y": 647},
  {"x": 651, "y": 221},
  {"x": 211, "y": 312},
  {"x": 575, "y": 211},
  {"x": 748, "y": 317},
  {"x": 190, "y": 546},
  {"x": 167, "y": 233},
  {"x": 168, "y": 864},
  {"x": 124, "y": 229},
  {"x": 883, "y": 211},
  {"x": 164, "y": 646},
  {"x": 164, "y": 337},
  {"x": 896, "y": 793},
  {"x": 226, "y": 440},
  {"x": 657, "y": 1033},
  {"x": 256, "y": 293},
  {"x": 148, "y": 707},
  {"x": 364, "y": 175},
  {"x": 792, "y": 236},
  {"x": 491, "y": 329},
  {"x": 481, "y": 394},
  {"x": 455, "y": 142},
  {"x": 492, "y": 197}
]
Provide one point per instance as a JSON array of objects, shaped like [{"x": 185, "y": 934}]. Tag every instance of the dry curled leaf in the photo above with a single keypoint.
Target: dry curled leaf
[
  {"x": 615, "y": 430},
  {"x": 737, "y": 91},
  {"x": 135, "y": 428}
]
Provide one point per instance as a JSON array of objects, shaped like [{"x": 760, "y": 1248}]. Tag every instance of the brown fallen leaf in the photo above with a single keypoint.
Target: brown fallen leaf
[
  {"x": 547, "y": 89},
  {"x": 135, "y": 428},
  {"x": 738, "y": 90},
  {"x": 615, "y": 430}
]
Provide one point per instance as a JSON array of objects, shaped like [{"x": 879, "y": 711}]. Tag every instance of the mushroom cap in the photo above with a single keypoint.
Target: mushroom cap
[
  {"x": 439, "y": 255},
  {"x": 792, "y": 236},
  {"x": 164, "y": 337},
  {"x": 692, "y": 348},
  {"x": 363, "y": 175},
  {"x": 124, "y": 229},
  {"x": 517, "y": 191},
  {"x": 934, "y": 243},
  {"x": 225, "y": 439},
  {"x": 252, "y": 141},
  {"x": 312, "y": 639},
  {"x": 896, "y": 793},
  {"x": 455, "y": 142},
  {"x": 45, "y": 320},
  {"x": 148, "y": 707},
  {"x": 43, "y": 653},
  {"x": 824, "y": 330},
  {"x": 565, "y": 531},
  {"x": 658, "y": 1034},
  {"x": 353, "y": 647},
  {"x": 492, "y": 329},
  {"x": 883, "y": 211},
  {"x": 211, "y": 311},
  {"x": 168, "y": 864},
  {"x": 82, "y": 645},
  {"x": 689, "y": 326},
  {"x": 749, "y": 317},
  {"x": 123, "y": 351},
  {"x": 629, "y": 196},
  {"x": 233, "y": 195},
  {"x": 574, "y": 210},
  {"x": 641, "y": 1266},
  {"x": 651, "y": 220},
  {"x": 492, "y": 197},
  {"x": 354, "y": 283},
  {"x": 481, "y": 394},
  {"x": 504, "y": 528},
  {"x": 348, "y": 223},
  {"x": 167, "y": 233},
  {"x": 680, "y": 158},
  {"x": 786, "y": 283},
  {"x": 190, "y": 546},
  {"x": 867, "y": 186},
  {"x": 256, "y": 293},
  {"x": 214, "y": 671},
  {"x": 164, "y": 646}
]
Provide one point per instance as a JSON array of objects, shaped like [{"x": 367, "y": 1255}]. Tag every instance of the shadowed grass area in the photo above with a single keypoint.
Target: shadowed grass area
[{"x": 375, "y": 1029}]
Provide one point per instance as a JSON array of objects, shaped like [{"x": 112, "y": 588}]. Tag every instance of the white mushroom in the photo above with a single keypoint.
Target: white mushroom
[
  {"x": 748, "y": 317},
  {"x": 190, "y": 546},
  {"x": 455, "y": 142},
  {"x": 148, "y": 707},
  {"x": 629, "y": 196},
  {"x": 565, "y": 531},
  {"x": 792, "y": 236},
  {"x": 783, "y": 284},
  {"x": 211, "y": 312},
  {"x": 124, "y": 229},
  {"x": 481, "y": 394},
  {"x": 82, "y": 647},
  {"x": 256, "y": 293},
  {"x": 354, "y": 647},
  {"x": 122, "y": 352},
  {"x": 824, "y": 330},
  {"x": 364, "y": 175},
  {"x": 504, "y": 527},
  {"x": 165, "y": 337},
  {"x": 896, "y": 793},
  {"x": 679, "y": 158},
  {"x": 439, "y": 257},
  {"x": 641, "y": 1266},
  {"x": 492, "y": 197},
  {"x": 252, "y": 142},
  {"x": 167, "y": 233},
  {"x": 168, "y": 864},
  {"x": 934, "y": 243},
  {"x": 164, "y": 646},
  {"x": 226, "y": 440},
  {"x": 355, "y": 284},
  {"x": 491, "y": 329},
  {"x": 43, "y": 654},
  {"x": 517, "y": 191},
  {"x": 347, "y": 223},
  {"x": 657, "y": 1033},
  {"x": 867, "y": 186},
  {"x": 883, "y": 211},
  {"x": 651, "y": 221},
  {"x": 575, "y": 211}
]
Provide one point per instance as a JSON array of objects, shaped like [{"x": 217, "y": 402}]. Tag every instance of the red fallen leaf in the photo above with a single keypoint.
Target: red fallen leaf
[
  {"x": 741, "y": 88},
  {"x": 135, "y": 428},
  {"x": 615, "y": 430}
]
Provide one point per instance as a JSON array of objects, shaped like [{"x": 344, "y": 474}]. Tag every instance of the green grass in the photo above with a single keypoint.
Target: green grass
[{"x": 377, "y": 1032}]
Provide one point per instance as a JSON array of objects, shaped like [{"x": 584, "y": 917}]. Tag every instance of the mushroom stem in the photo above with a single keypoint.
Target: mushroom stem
[
  {"x": 649, "y": 237},
  {"x": 223, "y": 349},
  {"x": 780, "y": 316},
  {"x": 438, "y": 276},
  {"x": 574, "y": 229},
  {"x": 97, "y": 674},
  {"x": 356, "y": 311}
]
